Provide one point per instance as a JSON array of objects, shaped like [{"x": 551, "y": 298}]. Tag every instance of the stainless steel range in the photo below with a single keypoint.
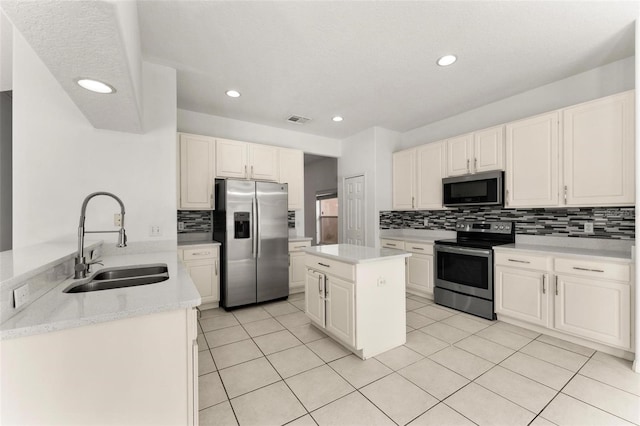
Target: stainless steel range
[{"x": 464, "y": 266}]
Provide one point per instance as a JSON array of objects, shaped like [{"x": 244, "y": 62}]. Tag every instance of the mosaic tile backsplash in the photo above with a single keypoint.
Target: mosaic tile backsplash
[
  {"x": 202, "y": 220},
  {"x": 195, "y": 221},
  {"x": 608, "y": 222}
]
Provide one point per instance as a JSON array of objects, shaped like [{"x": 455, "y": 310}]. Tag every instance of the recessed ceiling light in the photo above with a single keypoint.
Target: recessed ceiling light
[
  {"x": 233, "y": 93},
  {"x": 447, "y": 60},
  {"x": 95, "y": 85},
  {"x": 337, "y": 119}
]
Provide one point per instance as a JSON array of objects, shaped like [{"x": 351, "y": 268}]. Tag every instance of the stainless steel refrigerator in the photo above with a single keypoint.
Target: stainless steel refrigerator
[{"x": 250, "y": 221}]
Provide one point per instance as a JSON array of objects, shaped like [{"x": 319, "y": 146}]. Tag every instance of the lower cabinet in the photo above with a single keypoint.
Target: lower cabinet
[
  {"x": 419, "y": 274},
  {"x": 203, "y": 265},
  {"x": 588, "y": 298},
  {"x": 297, "y": 269},
  {"x": 359, "y": 305}
]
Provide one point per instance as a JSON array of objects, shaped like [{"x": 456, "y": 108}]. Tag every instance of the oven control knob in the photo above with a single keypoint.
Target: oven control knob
[{"x": 501, "y": 227}]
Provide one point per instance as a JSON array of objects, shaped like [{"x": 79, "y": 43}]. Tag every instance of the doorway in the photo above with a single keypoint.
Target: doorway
[{"x": 327, "y": 217}]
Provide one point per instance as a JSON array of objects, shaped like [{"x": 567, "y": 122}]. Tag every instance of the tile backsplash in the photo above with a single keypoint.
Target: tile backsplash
[
  {"x": 202, "y": 220},
  {"x": 195, "y": 221},
  {"x": 608, "y": 222}
]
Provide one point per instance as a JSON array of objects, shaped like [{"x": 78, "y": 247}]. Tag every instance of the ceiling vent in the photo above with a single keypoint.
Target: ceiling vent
[{"x": 297, "y": 119}]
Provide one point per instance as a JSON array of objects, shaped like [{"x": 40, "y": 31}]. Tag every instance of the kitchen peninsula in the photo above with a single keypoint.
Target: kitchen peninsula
[{"x": 356, "y": 295}]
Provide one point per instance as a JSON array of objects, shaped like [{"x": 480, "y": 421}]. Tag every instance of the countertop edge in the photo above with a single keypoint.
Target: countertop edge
[
  {"x": 567, "y": 251},
  {"x": 400, "y": 255}
]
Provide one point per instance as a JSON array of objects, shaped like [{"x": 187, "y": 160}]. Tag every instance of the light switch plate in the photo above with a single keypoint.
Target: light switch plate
[
  {"x": 588, "y": 228},
  {"x": 20, "y": 296},
  {"x": 425, "y": 221}
]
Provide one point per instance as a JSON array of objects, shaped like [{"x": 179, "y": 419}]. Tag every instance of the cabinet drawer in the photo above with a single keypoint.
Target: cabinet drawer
[
  {"x": 298, "y": 245},
  {"x": 519, "y": 260},
  {"x": 394, "y": 244},
  {"x": 419, "y": 248},
  {"x": 594, "y": 269},
  {"x": 202, "y": 252},
  {"x": 329, "y": 266}
]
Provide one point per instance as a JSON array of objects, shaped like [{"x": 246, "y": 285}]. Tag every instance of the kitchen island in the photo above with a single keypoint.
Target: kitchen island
[{"x": 356, "y": 295}]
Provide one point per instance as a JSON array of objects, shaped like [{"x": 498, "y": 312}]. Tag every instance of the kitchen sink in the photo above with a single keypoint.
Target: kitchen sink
[{"x": 119, "y": 277}]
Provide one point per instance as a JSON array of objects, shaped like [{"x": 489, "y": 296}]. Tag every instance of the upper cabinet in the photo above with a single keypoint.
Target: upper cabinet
[
  {"x": 476, "y": 152},
  {"x": 417, "y": 177},
  {"x": 197, "y": 172},
  {"x": 599, "y": 152},
  {"x": 243, "y": 160},
  {"x": 292, "y": 173},
  {"x": 531, "y": 175}
]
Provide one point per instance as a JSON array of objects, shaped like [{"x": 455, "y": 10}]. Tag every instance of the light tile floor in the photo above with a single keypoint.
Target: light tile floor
[{"x": 267, "y": 365}]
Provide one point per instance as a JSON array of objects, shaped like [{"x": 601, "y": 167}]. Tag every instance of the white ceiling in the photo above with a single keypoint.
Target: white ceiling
[{"x": 373, "y": 62}]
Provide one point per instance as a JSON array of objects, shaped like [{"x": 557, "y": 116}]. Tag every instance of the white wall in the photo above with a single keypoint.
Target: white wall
[
  {"x": 6, "y": 47},
  {"x": 211, "y": 125},
  {"x": 318, "y": 176},
  {"x": 596, "y": 83},
  {"x": 59, "y": 158},
  {"x": 5, "y": 172}
]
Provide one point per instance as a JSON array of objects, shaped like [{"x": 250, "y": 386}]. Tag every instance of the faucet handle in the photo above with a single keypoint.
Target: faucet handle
[{"x": 122, "y": 238}]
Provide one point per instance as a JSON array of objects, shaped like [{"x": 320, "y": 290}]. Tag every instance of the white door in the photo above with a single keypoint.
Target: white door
[
  {"x": 231, "y": 159},
  {"x": 459, "y": 155},
  {"x": 420, "y": 273},
  {"x": 263, "y": 162},
  {"x": 203, "y": 273},
  {"x": 291, "y": 165},
  {"x": 314, "y": 297},
  {"x": 354, "y": 214},
  {"x": 196, "y": 172},
  {"x": 488, "y": 149},
  {"x": 430, "y": 171},
  {"x": 404, "y": 180}
]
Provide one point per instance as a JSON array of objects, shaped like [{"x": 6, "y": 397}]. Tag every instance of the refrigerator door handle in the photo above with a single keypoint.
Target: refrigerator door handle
[
  {"x": 254, "y": 226},
  {"x": 258, "y": 236}
]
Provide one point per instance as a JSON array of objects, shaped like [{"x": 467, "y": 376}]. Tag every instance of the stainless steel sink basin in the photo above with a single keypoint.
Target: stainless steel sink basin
[{"x": 122, "y": 276}]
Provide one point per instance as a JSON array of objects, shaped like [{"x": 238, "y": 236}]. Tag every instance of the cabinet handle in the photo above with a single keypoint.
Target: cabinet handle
[
  {"x": 216, "y": 267},
  {"x": 251, "y": 171},
  {"x": 587, "y": 269},
  {"x": 565, "y": 194},
  {"x": 320, "y": 285},
  {"x": 299, "y": 247},
  {"x": 211, "y": 203},
  {"x": 556, "y": 285},
  {"x": 518, "y": 261},
  {"x": 245, "y": 172},
  {"x": 390, "y": 245},
  {"x": 468, "y": 166},
  {"x": 507, "y": 198},
  {"x": 475, "y": 164},
  {"x": 201, "y": 253},
  {"x": 325, "y": 265},
  {"x": 413, "y": 204},
  {"x": 544, "y": 290},
  {"x": 417, "y": 248}
]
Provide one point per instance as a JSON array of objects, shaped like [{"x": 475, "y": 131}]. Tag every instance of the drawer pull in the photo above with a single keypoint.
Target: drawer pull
[
  {"x": 201, "y": 253},
  {"x": 544, "y": 290},
  {"x": 299, "y": 247},
  {"x": 587, "y": 269},
  {"x": 391, "y": 245},
  {"x": 518, "y": 261},
  {"x": 417, "y": 248},
  {"x": 324, "y": 264}
]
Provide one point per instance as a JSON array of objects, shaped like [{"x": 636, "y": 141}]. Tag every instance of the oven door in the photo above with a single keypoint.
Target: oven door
[{"x": 464, "y": 270}]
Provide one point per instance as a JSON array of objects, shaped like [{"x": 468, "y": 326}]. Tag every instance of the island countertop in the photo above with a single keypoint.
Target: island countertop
[{"x": 353, "y": 254}]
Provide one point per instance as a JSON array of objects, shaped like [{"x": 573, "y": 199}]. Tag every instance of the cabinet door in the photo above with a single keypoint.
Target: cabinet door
[
  {"x": 460, "y": 155},
  {"x": 263, "y": 162},
  {"x": 196, "y": 172},
  {"x": 314, "y": 297},
  {"x": 420, "y": 273},
  {"x": 204, "y": 274},
  {"x": 431, "y": 166},
  {"x": 599, "y": 152},
  {"x": 531, "y": 172},
  {"x": 291, "y": 166},
  {"x": 488, "y": 150},
  {"x": 596, "y": 309},
  {"x": 341, "y": 309},
  {"x": 404, "y": 176},
  {"x": 522, "y": 294},
  {"x": 231, "y": 159},
  {"x": 297, "y": 271}
]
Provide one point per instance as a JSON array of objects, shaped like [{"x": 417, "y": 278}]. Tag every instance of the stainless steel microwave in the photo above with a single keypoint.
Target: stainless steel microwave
[{"x": 480, "y": 189}]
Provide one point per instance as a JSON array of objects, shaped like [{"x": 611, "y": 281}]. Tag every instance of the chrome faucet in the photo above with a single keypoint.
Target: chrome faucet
[{"x": 82, "y": 266}]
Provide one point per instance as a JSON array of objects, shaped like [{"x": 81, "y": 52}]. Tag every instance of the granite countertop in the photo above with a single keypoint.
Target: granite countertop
[
  {"x": 56, "y": 310},
  {"x": 355, "y": 254},
  {"x": 572, "y": 251}
]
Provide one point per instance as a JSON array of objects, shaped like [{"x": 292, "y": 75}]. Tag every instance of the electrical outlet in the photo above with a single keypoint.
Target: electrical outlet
[
  {"x": 588, "y": 228},
  {"x": 154, "y": 231},
  {"x": 20, "y": 296},
  {"x": 425, "y": 221},
  {"x": 180, "y": 226},
  {"x": 117, "y": 219}
]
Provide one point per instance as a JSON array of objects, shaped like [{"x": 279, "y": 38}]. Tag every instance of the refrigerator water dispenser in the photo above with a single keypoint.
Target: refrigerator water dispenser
[{"x": 241, "y": 225}]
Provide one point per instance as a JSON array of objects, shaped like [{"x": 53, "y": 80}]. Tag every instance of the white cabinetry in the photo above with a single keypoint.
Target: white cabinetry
[
  {"x": 522, "y": 287},
  {"x": 361, "y": 306},
  {"x": 196, "y": 172},
  {"x": 476, "y": 152},
  {"x": 417, "y": 177},
  {"x": 585, "y": 297},
  {"x": 297, "y": 269},
  {"x": 202, "y": 262},
  {"x": 599, "y": 152},
  {"x": 243, "y": 160},
  {"x": 420, "y": 269},
  {"x": 291, "y": 166},
  {"x": 531, "y": 175}
]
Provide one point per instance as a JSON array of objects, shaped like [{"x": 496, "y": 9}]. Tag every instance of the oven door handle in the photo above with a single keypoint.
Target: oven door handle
[{"x": 472, "y": 251}]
